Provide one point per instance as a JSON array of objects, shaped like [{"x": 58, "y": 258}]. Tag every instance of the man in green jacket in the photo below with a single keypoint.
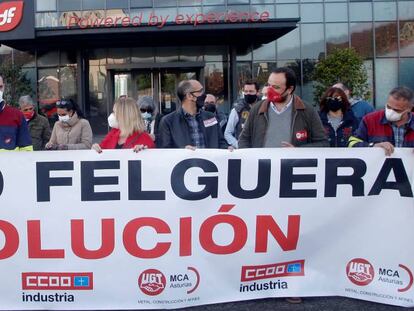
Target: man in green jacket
[
  {"x": 283, "y": 119},
  {"x": 39, "y": 127}
]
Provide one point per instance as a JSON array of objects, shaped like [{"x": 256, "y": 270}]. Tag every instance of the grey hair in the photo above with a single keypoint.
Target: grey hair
[
  {"x": 146, "y": 102},
  {"x": 27, "y": 99},
  {"x": 184, "y": 87},
  {"x": 402, "y": 92}
]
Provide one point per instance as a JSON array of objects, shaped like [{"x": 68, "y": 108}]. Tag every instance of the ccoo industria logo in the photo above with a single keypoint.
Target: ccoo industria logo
[{"x": 11, "y": 14}]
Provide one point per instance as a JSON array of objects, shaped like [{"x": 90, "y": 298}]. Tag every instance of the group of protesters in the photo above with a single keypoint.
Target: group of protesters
[{"x": 270, "y": 117}]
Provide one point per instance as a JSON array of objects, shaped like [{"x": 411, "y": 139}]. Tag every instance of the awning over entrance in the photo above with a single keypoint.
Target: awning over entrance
[{"x": 237, "y": 34}]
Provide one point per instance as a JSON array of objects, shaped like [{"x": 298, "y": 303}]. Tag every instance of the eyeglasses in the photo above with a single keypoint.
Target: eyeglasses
[
  {"x": 209, "y": 103},
  {"x": 338, "y": 98},
  {"x": 149, "y": 110},
  {"x": 62, "y": 103},
  {"x": 198, "y": 91}
]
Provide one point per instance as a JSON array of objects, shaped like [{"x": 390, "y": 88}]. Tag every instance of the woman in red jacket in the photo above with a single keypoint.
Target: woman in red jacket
[{"x": 128, "y": 128}]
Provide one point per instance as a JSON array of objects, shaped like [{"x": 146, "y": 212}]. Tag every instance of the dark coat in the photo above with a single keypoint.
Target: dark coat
[
  {"x": 346, "y": 129},
  {"x": 40, "y": 132},
  {"x": 306, "y": 128},
  {"x": 174, "y": 131}
]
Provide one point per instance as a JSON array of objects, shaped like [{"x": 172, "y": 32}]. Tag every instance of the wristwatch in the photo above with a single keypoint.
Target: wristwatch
[{"x": 371, "y": 144}]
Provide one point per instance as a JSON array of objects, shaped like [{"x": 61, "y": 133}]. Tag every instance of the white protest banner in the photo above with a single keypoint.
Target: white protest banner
[{"x": 176, "y": 228}]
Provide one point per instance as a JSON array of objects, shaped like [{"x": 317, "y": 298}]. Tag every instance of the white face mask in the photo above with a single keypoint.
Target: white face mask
[
  {"x": 112, "y": 121},
  {"x": 65, "y": 118},
  {"x": 146, "y": 115},
  {"x": 2, "y": 104},
  {"x": 392, "y": 115}
]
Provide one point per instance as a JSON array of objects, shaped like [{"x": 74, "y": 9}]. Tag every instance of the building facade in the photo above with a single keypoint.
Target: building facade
[{"x": 96, "y": 50}]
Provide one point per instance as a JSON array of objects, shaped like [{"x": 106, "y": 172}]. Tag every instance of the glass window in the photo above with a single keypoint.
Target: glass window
[
  {"x": 97, "y": 57},
  {"x": 70, "y": 5},
  {"x": 369, "y": 66},
  {"x": 406, "y": 38},
  {"x": 262, "y": 1},
  {"x": 264, "y": 8},
  {"x": 308, "y": 67},
  {"x": 190, "y": 10},
  {"x": 208, "y": 2},
  {"x": 244, "y": 72},
  {"x": 262, "y": 70},
  {"x": 286, "y": 1},
  {"x": 406, "y": 10},
  {"x": 48, "y": 90},
  {"x": 336, "y": 36},
  {"x": 98, "y": 108},
  {"x": 361, "y": 39},
  {"x": 386, "y": 78},
  {"x": 116, "y": 4},
  {"x": 311, "y": 12},
  {"x": 265, "y": 52},
  {"x": 385, "y": 11},
  {"x": 288, "y": 46},
  {"x": 45, "y": 5},
  {"x": 165, "y": 3},
  {"x": 406, "y": 72},
  {"x": 93, "y": 4},
  {"x": 47, "y": 19},
  {"x": 191, "y": 53},
  {"x": 214, "y": 84},
  {"x": 142, "y": 55},
  {"x": 214, "y": 9},
  {"x": 287, "y": 10},
  {"x": 141, "y": 3},
  {"x": 238, "y": 1},
  {"x": 244, "y": 53},
  {"x": 386, "y": 39},
  {"x": 50, "y": 58},
  {"x": 360, "y": 11},
  {"x": 119, "y": 56},
  {"x": 67, "y": 79},
  {"x": 189, "y": 2},
  {"x": 336, "y": 12},
  {"x": 215, "y": 53},
  {"x": 24, "y": 59},
  {"x": 166, "y": 54},
  {"x": 313, "y": 44},
  {"x": 67, "y": 57}
]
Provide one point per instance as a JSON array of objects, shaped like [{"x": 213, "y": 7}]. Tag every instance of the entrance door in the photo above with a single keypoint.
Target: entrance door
[{"x": 160, "y": 83}]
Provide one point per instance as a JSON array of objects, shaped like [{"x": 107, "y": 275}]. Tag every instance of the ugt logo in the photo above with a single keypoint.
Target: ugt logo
[{"x": 11, "y": 14}]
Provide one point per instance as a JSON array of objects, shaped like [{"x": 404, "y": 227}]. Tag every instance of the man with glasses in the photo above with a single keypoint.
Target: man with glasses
[
  {"x": 190, "y": 126},
  {"x": 388, "y": 128},
  {"x": 283, "y": 119},
  {"x": 14, "y": 133},
  {"x": 240, "y": 112}
]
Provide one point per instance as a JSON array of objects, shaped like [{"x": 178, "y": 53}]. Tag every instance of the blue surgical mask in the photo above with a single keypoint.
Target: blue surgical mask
[{"x": 146, "y": 116}]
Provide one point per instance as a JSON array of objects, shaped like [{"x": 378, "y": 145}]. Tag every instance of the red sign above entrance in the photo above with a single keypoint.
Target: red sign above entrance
[
  {"x": 159, "y": 21},
  {"x": 11, "y": 14}
]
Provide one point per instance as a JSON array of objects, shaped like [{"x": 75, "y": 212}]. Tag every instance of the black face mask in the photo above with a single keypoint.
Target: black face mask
[
  {"x": 210, "y": 107},
  {"x": 250, "y": 99},
  {"x": 200, "y": 101},
  {"x": 334, "y": 104}
]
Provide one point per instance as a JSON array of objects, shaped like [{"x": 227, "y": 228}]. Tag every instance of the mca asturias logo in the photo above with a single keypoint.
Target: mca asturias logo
[
  {"x": 360, "y": 271},
  {"x": 152, "y": 282},
  {"x": 11, "y": 14}
]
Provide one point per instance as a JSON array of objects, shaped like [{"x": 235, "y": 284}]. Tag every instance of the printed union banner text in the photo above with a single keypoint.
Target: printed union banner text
[{"x": 176, "y": 228}]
